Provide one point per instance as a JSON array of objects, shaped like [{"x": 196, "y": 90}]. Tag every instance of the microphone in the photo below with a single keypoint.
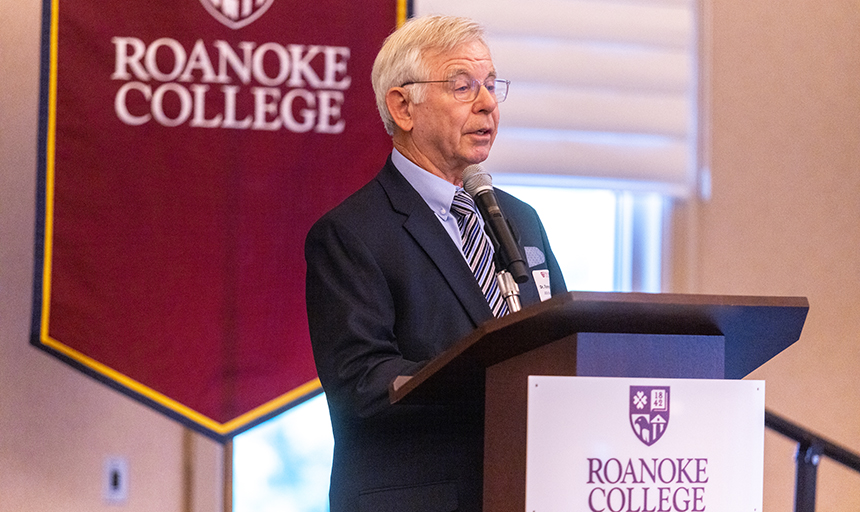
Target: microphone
[{"x": 479, "y": 184}]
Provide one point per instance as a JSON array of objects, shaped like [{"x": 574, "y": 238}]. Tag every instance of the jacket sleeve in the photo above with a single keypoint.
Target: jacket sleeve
[{"x": 351, "y": 317}]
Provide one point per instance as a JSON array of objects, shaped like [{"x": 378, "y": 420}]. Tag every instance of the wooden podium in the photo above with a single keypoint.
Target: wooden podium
[{"x": 598, "y": 335}]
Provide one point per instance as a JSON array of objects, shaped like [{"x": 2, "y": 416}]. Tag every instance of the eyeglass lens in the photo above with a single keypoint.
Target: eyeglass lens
[{"x": 467, "y": 89}]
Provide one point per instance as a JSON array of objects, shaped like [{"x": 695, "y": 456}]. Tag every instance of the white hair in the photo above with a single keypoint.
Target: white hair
[{"x": 402, "y": 57}]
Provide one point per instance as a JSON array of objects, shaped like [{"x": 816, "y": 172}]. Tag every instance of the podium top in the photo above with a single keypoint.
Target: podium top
[{"x": 755, "y": 329}]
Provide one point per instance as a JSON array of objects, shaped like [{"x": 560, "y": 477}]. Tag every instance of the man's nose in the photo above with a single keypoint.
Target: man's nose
[{"x": 485, "y": 101}]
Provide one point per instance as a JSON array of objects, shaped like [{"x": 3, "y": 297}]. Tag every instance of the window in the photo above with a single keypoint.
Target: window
[
  {"x": 284, "y": 464},
  {"x": 604, "y": 240}
]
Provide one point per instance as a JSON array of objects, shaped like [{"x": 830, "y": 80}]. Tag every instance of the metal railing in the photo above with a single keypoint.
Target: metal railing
[{"x": 810, "y": 448}]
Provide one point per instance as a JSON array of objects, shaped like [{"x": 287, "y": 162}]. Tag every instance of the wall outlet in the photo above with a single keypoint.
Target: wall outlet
[{"x": 116, "y": 480}]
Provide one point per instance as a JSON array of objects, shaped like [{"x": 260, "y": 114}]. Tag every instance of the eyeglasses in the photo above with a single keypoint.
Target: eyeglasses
[{"x": 467, "y": 89}]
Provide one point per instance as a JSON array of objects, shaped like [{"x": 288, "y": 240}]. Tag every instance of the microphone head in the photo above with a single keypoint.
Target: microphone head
[{"x": 476, "y": 180}]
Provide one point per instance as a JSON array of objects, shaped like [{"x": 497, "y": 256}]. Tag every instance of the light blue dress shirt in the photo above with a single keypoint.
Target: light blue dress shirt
[{"x": 436, "y": 192}]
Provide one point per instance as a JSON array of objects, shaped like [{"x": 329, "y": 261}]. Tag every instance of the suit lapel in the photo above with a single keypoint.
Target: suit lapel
[{"x": 428, "y": 233}]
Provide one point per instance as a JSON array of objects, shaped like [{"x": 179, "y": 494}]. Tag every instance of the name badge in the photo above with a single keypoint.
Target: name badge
[{"x": 541, "y": 278}]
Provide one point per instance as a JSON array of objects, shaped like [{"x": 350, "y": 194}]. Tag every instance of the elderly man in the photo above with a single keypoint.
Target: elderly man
[{"x": 389, "y": 285}]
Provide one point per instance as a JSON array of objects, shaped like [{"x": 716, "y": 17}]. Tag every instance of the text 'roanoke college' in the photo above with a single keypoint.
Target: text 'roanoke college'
[
  {"x": 260, "y": 87},
  {"x": 647, "y": 485}
]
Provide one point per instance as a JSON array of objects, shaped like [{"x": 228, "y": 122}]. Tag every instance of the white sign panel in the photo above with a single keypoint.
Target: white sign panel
[{"x": 644, "y": 445}]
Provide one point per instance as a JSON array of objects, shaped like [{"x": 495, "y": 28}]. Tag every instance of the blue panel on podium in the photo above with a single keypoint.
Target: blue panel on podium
[{"x": 669, "y": 356}]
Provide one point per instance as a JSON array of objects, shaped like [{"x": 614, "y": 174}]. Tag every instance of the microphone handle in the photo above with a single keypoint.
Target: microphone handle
[
  {"x": 508, "y": 253},
  {"x": 509, "y": 290}
]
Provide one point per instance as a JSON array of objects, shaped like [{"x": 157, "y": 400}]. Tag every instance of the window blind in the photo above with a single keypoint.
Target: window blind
[{"x": 603, "y": 91}]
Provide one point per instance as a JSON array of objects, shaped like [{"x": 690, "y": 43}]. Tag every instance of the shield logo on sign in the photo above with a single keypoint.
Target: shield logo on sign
[
  {"x": 649, "y": 412},
  {"x": 236, "y": 13}
]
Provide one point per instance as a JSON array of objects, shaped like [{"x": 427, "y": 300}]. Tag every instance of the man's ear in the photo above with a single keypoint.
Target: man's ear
[{"x": 400, "y": 108}]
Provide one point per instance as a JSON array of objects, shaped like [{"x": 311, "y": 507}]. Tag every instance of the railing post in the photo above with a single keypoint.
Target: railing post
[{"x": 808, "y": 456}]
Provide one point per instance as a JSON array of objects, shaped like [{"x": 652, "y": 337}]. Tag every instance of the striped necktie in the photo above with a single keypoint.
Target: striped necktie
[{"x": 478, "y": 250}]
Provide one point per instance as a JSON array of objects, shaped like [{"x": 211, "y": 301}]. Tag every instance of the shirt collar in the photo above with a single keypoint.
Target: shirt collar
[{"x": 436, "y": 192}]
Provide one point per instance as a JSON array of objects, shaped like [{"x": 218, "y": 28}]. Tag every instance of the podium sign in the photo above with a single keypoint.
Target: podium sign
[{"x": 644, "y": 445}]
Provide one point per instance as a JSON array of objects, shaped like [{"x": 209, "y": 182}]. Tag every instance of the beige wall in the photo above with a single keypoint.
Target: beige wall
[
  {"x": 57, "y": 426},
  {"x": 783, "y": 83},
  {"x": 783, "y": 88}
]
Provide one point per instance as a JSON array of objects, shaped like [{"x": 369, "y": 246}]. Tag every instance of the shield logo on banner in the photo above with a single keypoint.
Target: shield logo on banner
[
  {"x": 649, "y": 412},
  {"x": 236, "y": 13}
]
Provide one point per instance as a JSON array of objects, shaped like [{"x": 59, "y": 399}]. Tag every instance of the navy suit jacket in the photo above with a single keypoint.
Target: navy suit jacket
[{"x": 387, "y": 290}]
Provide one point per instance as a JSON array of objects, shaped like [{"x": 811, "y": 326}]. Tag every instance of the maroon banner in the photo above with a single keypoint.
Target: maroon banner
[{"x": 187, "y": 147}]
